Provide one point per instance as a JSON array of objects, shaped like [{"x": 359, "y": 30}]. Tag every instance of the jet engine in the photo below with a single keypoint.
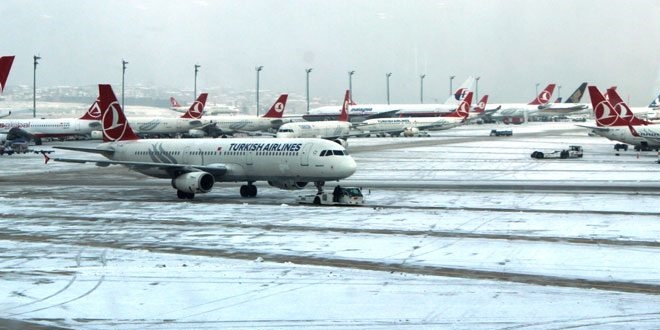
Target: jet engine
[
  {"x": 194, "y": 182},
  {"x": 410, "y": 131},
  {"x": 96, "y": 135},
  {"x": 196, "y": 133},
  {"x": 288, "y": 185},
  {"x": 341, "y": 142}
]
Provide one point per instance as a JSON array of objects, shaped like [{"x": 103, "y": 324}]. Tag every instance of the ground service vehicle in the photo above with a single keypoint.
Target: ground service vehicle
[
  {"x": 501, "y": 133},
  {"x": 571, "y": 152},
  {"x": 350, "y": 196}
]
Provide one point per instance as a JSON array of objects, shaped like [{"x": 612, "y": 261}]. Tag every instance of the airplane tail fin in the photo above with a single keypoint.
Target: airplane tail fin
[
  {"x": 622, "y": 109},
  {"x": 463, "y": 109},
  {"x": 481, "y": 106},
  {"x": 655, "y": 103},
  {"x": 460, "y": 93},
  {"x": 174, "y": 103},
  {"x": 577, "y": 95},
  {"x": 115, "y": 124},
  {"x": 277, "y": 109},
  {"x": 197, "y": 108},
  {"x": 604, "y": 112},
  {"x": 558, "y": 100},
  {"x": 607, "y": 97},
  {"x": 5, "y": 67},
  {"x": 93, "y": 113},
  {"x": 343, "y": 116},
  {"x": 544, "y": 96}
]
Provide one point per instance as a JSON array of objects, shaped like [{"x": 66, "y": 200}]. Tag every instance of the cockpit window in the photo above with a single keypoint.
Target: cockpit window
[
  {"x": 338, "y": 152},
  {"x": 333, "y": 152},
  {"x": 322, "y": 153}
]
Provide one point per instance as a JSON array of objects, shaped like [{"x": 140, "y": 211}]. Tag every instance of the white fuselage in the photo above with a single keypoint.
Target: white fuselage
[
  {"x": 316, "y": 129},
  {"x": 240, "y": 123},
  {"x": 41, "y": 128},
  {"x": 250, "y": 159},
  {"x": 161, "y": 125},
  {"x": 393, "y": 124},
  {"x": 620, "y": 134}
]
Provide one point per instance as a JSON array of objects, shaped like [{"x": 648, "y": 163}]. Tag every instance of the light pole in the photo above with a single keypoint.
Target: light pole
[
  {"x": 34, "y": 86},
  {"x": 350, "y": 83},
  {"x": 258, "y": 69},
  {"x": 308, "y": 70},
  {"x": 451, "y": 89},
  {"x": 421, "y": 88},
  {"x": 387, "y": 78},
  {"x": 123, "y": 73},
  {"x": 559, "y": 91},
  {"x": 476, "y": 91},
  {"x": 537, "y": 89},
  {"x": 197, "y": 66}
]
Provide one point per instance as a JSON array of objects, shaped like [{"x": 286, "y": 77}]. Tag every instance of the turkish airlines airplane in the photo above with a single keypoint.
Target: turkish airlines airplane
[
  {"x": 209, "y": 109},
  {"x": 610, "y": 124},
  {"x": 409, "y": 126},
  {"x": 39, "y": 128},
  {"x": 572, "y": 104},
  {"x": 524, "y": 109},
  {"x": 194, "y": 165},
  {"x": 335, "y": 130},
  {"x": 360, "y": 112},
  {"x": 229, "y": 125},
  {"x": 188, "y": 123}
]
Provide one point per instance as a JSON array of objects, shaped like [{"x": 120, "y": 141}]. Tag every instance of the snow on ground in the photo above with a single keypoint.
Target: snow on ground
[{"x": 124, "y": 253}]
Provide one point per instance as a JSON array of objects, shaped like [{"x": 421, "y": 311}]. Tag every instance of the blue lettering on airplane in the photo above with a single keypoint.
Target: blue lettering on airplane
[{"x": 265, "y": 146}]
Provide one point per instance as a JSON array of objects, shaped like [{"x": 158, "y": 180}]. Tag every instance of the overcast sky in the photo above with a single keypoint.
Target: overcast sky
[{"x": 511, "y": 45}]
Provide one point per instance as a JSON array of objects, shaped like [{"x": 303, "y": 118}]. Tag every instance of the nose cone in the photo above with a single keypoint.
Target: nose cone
[{"x": 346, "y": 166}]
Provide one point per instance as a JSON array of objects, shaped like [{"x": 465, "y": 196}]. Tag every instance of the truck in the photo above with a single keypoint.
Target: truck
[
  {"x": 571, "y": 152},
  {"x": 501, "y": 132},
  {"x": 340, "y": 196}
]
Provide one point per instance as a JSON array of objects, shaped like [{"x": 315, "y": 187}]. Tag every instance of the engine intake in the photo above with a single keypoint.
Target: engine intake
[
  {"x": 288, "y": 185},
  {"x": 194, "y": 182}
]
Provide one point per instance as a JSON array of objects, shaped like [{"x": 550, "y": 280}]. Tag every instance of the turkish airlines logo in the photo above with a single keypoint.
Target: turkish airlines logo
[
  {"x": 345, "y": 105},
  {"x": 113, "y": 130},
  {"x": 279, "y": 107},
  {"x": 196, "y": 110},
  {"x": 623, "y": 111},
  {"x": 604, "y": 115},
  {"x": 463, "y": 110},
  {"x": 481, "y": 105},
  {"x": 460, "y": 94},
  {"x": 544, "y": 97}
]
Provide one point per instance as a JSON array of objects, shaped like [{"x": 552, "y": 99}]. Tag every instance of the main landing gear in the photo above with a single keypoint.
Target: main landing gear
[
  {"x": 319, "y": 186},
  {"x": 249, "y": 190},
  {"x": 184, "y": 195}
]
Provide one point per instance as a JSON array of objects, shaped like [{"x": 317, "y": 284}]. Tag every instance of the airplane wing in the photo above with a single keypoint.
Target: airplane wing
[{"x": 213, "y": 169}]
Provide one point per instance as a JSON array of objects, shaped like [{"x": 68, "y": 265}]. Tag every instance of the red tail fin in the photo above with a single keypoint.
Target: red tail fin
[
  {"x": 622, "y": 108},
  {"x": 277, "y": 109},
  {"x": 93, "y": 113},
  {"x": 115, "y": 125},
  {"x": 605, "y": 113},
  {"x": 197, "y": 108},
  {"x": 5, "y": 67},
  {"x": 607, "y": 98},
  {"x": 544, "y": 96},
  {"x": 463, "y": 109},
  {"x": 174, "y": 103},
  {"x": 343, "y": 116},
  {"x": 481, "y": 106}
]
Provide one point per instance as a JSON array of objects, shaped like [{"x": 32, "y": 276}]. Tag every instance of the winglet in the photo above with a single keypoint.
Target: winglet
[
  {"x": 343, "y": 116},
  {"x": 5, "y": 67},
  {"x": 197, "y": 108},
  {"x": 277, "y": 109},
  {"x": 174, "y": 103},
  {"x": 544, "y": 96},
  {"x": 115, "y": 124}
]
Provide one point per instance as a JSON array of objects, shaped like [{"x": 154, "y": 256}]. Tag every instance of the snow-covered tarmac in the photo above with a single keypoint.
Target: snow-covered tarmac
[{"x": 461, "y": 231}]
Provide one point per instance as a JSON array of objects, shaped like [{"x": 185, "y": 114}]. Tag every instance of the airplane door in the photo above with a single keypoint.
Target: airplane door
[
  {"x": 248, "y": 158},
  {"x": 304, "y": 155}
]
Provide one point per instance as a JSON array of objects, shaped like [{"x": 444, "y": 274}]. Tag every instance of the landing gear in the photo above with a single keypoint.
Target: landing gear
[
  {"x": 184, "y": 195},
  {"x": 248, "y": 190},
  {"x": 319, "y": 186}
]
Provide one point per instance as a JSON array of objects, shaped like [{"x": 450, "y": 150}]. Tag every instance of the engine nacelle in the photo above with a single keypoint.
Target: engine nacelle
[
  {"x": 410, "y": 131},
  {"x": 288, "y": 185},
  {"x": 96, "y": 135},
  {"x": 3, "y": 138},
  {"x": 341, "y": 142},
  {"x": 196, "y": 133},
  {"x": 194, "y": 182}
]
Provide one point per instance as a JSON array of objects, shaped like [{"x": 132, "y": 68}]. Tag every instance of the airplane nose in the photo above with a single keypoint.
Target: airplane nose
[{"x": 347, "y": 166}]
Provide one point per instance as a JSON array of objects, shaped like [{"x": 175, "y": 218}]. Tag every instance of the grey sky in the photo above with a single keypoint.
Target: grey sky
[{"x": 511, "y": 44}]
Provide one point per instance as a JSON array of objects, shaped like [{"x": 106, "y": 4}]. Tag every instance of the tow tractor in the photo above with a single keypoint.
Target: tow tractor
[
  {"x": 571, "y": 152},
  {"x": 349, "y": 196}
]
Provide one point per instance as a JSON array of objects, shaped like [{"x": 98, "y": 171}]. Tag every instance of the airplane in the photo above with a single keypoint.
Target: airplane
[
  {"x": 610, "y": 124},
  {"x": 195, "y": 165},
  {"x": 651, "y": 111},
  {"x": 209, "y": 109},
  {"x": 188, "y": 123},
  {"x": 410, "y": 126},
  {"x": 572, "y": 104},
  {"x": 40, "y": 128},
  {"x": 517, "y": 113},
  {"x": 337, "y": 130},
  {"x": 229, "y": 125},
  {"x": 361, "y": 112}
]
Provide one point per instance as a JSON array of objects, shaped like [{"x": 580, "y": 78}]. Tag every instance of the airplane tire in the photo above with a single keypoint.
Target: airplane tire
[
  {"x": 244, "y": 191},
  {"x": 317, "y": 200}
]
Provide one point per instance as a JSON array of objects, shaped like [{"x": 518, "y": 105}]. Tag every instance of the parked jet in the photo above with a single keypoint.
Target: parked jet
[
  {"x": 336, "y": 130},
  {"x": 209, "y": 109},
  {"x": 572, "y": 104},
  {"x": 411, "y": 126},
  {"x": 229, "y": 125},
  {"x": 508, "y": 111},
  {"x": 194, "y": 165},
  {"x": 361, "y": 112},
  {"x": 188, "y": 123}
]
